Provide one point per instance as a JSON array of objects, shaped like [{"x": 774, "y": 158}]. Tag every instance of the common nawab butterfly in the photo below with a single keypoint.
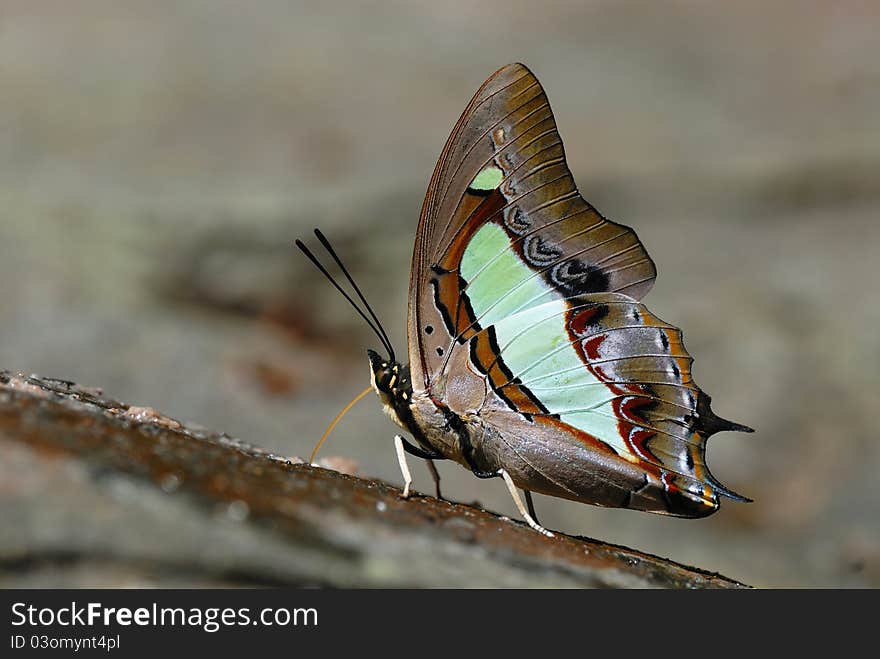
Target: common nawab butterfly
[{"x": 530, "y": 355}]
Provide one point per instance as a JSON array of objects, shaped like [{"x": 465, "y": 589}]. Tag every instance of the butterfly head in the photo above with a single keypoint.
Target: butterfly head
[{"x": 390, "y": 380}]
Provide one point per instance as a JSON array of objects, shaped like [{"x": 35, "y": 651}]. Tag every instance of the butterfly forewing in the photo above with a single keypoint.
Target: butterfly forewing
[
  {"x": 524, "y": 314},
  {"x": 504, "y": 165}
]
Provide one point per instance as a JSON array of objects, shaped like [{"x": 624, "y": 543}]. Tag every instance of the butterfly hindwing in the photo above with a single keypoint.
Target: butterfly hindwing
[
  {"x": 524, "y": 313},
  {"x": 617, "y": 375}
]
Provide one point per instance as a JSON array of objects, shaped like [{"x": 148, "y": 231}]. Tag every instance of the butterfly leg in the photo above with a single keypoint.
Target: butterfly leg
[
  {"x": 404, "y": 467},
  {"x": 520, "y": 505},
  {"x": 403, "y": 447},
  {"x": 531, "y": 505},
  {"x": 435, "y": 475}
]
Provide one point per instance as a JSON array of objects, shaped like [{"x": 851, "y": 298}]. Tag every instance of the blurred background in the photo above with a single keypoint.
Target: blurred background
[{"x": 158, "y": 159}]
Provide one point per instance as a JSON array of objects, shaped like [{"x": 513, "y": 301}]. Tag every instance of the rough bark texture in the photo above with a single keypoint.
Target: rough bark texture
[{"x": 202, "y": 508}]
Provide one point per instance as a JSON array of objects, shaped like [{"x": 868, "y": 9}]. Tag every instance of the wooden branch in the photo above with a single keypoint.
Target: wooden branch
[{"x": 339, "y": 530}]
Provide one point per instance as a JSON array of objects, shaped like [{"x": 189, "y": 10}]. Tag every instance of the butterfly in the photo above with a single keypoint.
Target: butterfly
[{"x": 531, "y": 357}]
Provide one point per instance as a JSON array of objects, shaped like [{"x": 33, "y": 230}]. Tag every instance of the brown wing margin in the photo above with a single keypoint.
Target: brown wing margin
[{"x": 509, "y": 124}]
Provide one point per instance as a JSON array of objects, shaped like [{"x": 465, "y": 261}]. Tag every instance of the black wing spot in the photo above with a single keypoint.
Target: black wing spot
[
  {"x": 539, "y": 252},
  {"x": 429, "y": 329},
  {"x": 517, "y": 221},
  {"x": 664, "y": 341},
  {"x": 444, "y": 312},
  {"x": 439, "y": 352},
  {"x": 574, "y": 277}
]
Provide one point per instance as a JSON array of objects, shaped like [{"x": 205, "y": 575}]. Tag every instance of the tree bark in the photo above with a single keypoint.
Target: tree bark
[{"x": 281, "y": 521}]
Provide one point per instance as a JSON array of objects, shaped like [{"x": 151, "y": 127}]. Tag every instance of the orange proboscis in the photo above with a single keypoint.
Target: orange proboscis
[{"x": 337, "y": 420}]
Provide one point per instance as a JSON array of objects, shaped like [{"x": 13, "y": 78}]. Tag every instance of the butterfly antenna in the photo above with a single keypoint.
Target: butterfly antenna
[
  {"x": 329, "y": 248},
  {"x": 381, "y": 335}
]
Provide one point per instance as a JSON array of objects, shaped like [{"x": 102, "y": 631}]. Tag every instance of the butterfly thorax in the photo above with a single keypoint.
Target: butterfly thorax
[
  {"x": 434, "y": 427},
  {"x": 392, "y": 384}
]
